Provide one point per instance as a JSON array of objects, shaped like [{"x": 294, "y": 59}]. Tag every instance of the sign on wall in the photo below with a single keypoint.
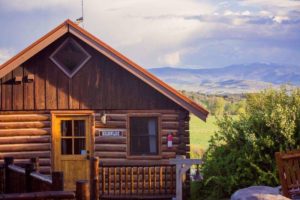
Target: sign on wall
[{"x": 110, "y": 132}]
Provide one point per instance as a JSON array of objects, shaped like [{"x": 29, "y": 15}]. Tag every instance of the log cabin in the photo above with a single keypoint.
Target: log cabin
[{"x": 70, "y": 97}]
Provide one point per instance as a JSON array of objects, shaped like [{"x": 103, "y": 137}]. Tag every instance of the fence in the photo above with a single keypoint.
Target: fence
[
  {"x": 137, "y": 181},
  {"x": 26, "y": 183}
]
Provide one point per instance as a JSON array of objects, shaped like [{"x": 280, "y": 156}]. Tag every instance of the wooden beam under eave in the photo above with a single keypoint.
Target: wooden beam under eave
[
  {"x": 148, "y": 80},
  {"x": 33, "y": 50}
]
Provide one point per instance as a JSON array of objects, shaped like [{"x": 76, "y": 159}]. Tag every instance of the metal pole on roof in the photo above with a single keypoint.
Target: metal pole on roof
[
  {"x": 80, "y": 19},
  {"x": 82, "y": 13}
]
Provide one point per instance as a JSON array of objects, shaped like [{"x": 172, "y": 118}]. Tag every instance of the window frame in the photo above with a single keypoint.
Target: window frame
[
  {"x": 159, "y": 140},
  {"x": 61, "y": 66}
]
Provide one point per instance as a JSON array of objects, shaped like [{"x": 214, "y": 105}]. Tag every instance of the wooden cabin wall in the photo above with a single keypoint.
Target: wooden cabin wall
[
  {"x": 111, "y": 149},
  {"x": 24, "y": 136},
  {"x": 28, "y": 135},
  {"x": 99, "y": 84}
]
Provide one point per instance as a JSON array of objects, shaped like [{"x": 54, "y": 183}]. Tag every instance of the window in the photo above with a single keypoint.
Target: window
[
  {"x": 143, "y": 136},
  {"x": 70, "y": 57},
  {"x": 72, "y": 137}
]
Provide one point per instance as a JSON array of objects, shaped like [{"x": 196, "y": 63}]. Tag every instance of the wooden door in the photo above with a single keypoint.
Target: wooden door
[{"x": 72, "y": 148}]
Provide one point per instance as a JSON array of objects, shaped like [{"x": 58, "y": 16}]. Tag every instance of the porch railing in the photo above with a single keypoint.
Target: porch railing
[
  {"x": 137, "y": 180},
  {"x": 20, "y": 180},
  {"x": 19, "y": 183}
]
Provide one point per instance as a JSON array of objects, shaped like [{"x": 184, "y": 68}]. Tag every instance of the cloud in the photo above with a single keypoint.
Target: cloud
[
  {"x": 172, "y": 32},
  {"x": 172, "y": 59},
  {"x": 30, "y": 5},
  {"x": 277, "y": 7},
  {"x": 290, "y": 4},
  {"x": 4, "y": 55},
  {"x": 145, "y": 30},
  {"x": 280, "y": 19}
]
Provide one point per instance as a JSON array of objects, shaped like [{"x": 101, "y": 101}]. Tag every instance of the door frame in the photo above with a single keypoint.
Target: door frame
[{"x": 91, "y": 119}]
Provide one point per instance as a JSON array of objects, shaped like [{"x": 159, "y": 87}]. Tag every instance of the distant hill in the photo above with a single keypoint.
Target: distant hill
[{"x": 231, "y": 79}]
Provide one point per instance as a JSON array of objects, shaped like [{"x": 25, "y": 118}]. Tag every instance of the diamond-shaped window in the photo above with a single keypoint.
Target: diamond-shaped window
[{"x": 70, "y": 57}]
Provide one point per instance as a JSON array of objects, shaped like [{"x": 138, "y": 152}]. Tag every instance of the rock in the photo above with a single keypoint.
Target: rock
[{"x": 258, "y": 193}]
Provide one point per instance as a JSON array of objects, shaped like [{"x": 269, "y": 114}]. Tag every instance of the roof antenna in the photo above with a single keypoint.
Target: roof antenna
[{"x": 80, "y": 19}]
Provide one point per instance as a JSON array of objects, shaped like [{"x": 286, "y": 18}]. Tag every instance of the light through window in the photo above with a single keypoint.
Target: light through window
[
  {"x": 143, "y": 136},
  {"x": 73, "y": 136}
]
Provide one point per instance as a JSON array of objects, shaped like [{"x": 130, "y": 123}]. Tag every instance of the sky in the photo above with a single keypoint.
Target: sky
[{"x": 159, "y": 33}]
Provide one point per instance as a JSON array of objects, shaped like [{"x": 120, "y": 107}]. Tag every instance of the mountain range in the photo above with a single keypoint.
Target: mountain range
[{"x": 241, "y": 78}]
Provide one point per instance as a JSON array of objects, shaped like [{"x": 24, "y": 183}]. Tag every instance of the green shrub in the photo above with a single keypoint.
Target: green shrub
[{"x": 241, "y": 153}]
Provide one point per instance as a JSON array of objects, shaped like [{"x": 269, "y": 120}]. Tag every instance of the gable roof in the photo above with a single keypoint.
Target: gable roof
[{"x": 130, "y": 66}]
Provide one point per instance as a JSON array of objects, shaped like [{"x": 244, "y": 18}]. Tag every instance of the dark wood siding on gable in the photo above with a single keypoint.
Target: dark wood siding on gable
[{"x": 100, "y": 84}]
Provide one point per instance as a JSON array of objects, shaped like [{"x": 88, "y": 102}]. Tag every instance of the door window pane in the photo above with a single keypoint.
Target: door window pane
[
  {"x": 73, "y": 137},
  {"x": 79, "y": 127},
  {"x": 79, "y": 146},
  {"x": 66, "y": 146},
  {"x": 66, "y": 127}
]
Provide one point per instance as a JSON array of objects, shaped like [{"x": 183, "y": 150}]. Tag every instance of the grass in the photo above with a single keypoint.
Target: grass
[{"x": 201, "y": 132}]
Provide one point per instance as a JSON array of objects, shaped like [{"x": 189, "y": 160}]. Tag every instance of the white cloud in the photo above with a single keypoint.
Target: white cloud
[
  {"x": 29, "y": 5},
  {"x": 4, "y": 55},
  {"x": 172, "y": 59},
  {"x": 274, "y": 3},
  {"x": 145, "y": 30},
  {"x": 246, "y": 13},
  {"x": 277, "y": 6},
  {"x": 280, "y": 19},
  {"x": 167, "y": 32}
]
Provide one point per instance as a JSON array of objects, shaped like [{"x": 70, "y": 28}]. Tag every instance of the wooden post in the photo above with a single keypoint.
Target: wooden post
[
  {"x": 95, "y": 184},
  {"x": 82, "y": 190},
  {"x": 2, "y": 179},
  {"x": 182, "y": 165},
  {"x": 28, "y": 181},
  {"x": 7, "y": 161},
  {"x": 178, "y": 183},
  {"x": 57, "y": 181},
  {"x": 35, "y": 163},
  {"x": 280, "y": 167}
]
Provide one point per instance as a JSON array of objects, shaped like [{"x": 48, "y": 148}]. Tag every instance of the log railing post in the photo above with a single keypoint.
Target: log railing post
[
  {"x": 2, "y": 178},
  {"x": 82, "y": 190},
  {"x": 35, "y": 163},
  {"x": 182, "y": 165},
  {"x": 95, "y": 181},
  {"x": 57, "y": 181},
  {"x": 28, "y": 181},
  {"x": 7, "y": 161}
]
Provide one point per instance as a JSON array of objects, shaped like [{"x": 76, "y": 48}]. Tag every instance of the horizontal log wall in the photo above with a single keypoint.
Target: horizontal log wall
[
  {"x": 113, "y": 149},
  {"x": 24, "y": 136}
]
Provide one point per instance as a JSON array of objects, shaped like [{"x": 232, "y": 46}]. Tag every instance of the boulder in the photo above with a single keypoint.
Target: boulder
[{"x": 258, "y": 193}]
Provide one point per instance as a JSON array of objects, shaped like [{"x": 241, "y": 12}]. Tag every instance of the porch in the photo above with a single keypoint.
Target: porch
[{"x": 108, "y": 181}]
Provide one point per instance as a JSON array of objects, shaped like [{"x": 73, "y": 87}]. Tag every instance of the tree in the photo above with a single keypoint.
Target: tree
[
  {"x": 217, "y": 106},
  {"x": 241, "y": 153}
]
